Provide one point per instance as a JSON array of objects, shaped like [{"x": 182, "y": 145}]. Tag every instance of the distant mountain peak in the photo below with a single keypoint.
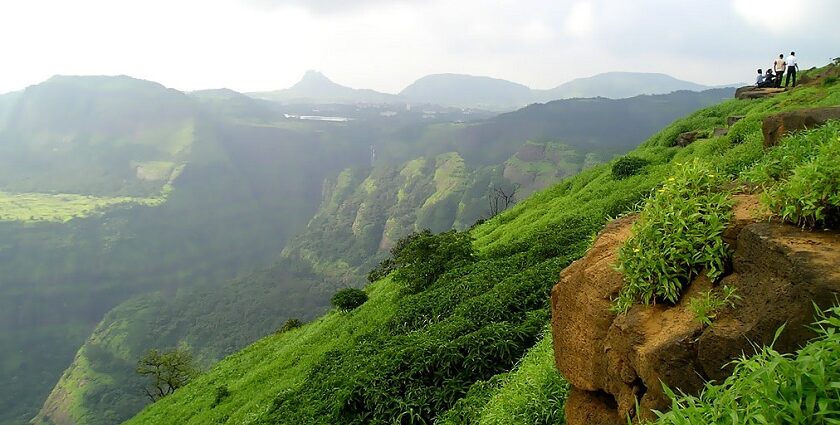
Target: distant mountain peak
[
  {"x": 315, "y": 87},
  {"x": 313, "y": 76}
]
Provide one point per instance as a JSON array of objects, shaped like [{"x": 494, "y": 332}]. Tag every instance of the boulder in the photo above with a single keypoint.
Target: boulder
[
  {"x": 584, "y": 407},
  {"x": 720, "y": 131},
  {"x": 733, "y": 119},
  {"x": 615, "y": 361},
  {"x": 775, "y": 126},
  {"x": 753, "y": 92},
  {"x": 685, "y": 139}
]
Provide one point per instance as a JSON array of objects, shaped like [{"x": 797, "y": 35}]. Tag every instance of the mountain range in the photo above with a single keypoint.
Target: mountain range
[{"x": 479, "y": 92}]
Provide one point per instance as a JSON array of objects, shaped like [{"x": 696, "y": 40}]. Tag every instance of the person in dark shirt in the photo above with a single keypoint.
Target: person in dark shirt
[{"x": 769, "y": 79}]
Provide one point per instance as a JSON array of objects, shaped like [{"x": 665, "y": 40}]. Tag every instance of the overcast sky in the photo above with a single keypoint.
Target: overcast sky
[{"x": 250, "y": 45}]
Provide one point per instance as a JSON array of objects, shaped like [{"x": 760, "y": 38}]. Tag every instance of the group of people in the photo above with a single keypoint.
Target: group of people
[{"x": 782, "y": 66}]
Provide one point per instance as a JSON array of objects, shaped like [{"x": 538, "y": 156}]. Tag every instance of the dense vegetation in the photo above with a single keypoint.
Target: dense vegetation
[
  {"x": 678, "y": 235},
  {"x": 448, "y": 353},
  {"x": 801, "y": 177}
]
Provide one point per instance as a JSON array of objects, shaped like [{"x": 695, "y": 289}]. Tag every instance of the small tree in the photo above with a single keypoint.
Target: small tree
[
  {"x": 349, "y": 298},
  {"x": 167, "y": 371},
  {"x": 500, "y": 199},
  {"x": 290, "y": 324}
]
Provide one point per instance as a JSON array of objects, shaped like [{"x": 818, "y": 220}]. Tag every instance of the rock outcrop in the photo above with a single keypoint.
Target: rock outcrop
[
  {"x": 687, "y": 138},
  {"x": 753, "y": 92},
  {"x": 777, "y": 125},
  {"x": 614, "y": 361}
]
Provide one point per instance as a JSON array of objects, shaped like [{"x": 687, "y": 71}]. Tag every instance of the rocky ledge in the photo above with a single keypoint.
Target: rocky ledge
[{"x": 618, "y": 362}]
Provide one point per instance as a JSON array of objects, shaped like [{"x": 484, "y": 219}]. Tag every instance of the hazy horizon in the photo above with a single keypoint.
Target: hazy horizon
[{"x": 260, "y": 45}]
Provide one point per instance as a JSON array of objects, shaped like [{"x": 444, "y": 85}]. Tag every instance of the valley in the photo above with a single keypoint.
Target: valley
[{"x": 221, "y": 218}]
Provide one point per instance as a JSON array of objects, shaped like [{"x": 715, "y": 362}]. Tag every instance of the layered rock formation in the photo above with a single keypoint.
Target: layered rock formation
[
  {"x": 753, "y": 92},
  {"x": 777, "y": 125},
  {"x": 618, "y": 362}
]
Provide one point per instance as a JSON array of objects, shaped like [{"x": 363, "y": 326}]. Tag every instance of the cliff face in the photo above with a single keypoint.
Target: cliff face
[{"x": 614, "y": 360}]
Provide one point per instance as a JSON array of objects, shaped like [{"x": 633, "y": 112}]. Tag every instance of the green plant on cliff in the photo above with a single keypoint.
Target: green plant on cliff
[
  {"x": 707, "y": 305},
  {"x": 772, "y": 388},
  {"x": 678, "y": 234}
]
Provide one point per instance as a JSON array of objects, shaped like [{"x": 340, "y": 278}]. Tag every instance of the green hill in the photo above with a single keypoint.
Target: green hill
[
  {"x": 464, "y": 344},
  {"x": 617, "y": 85}
]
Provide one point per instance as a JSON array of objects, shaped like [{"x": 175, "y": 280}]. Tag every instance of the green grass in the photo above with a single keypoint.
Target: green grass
[
  {"x": 531, "y": 394},
  {"x": 274, "y": 365},
  {"x": 61, "y": 207}
]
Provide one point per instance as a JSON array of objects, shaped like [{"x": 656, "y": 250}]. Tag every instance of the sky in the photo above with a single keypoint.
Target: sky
[{"x": 385, "y": 45}]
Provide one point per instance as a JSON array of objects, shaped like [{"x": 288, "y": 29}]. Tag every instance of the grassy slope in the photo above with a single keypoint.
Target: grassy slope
[
  {"x": 273, "y": 365},
  {"x": 583, "y": 202}
]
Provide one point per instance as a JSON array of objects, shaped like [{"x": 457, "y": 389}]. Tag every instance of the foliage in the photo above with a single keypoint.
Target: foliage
[
  {"x": 425, "y": 257},
  {"x": 290, "y": 324},
  {"x": 349, "y": 299},
  {"x": 678, "y": 234},
  {"x": 707, "y": 305},
  {"x": 167, "y": 370},
  {"x": 627, "y": 166},
  {"x": 810, "y": 196},
  {"x": 770, "y": 387}
]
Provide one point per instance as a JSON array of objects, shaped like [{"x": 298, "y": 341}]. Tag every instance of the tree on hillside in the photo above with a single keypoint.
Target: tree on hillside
[
  {"x": 500, "y": 199},
  {"x": 167, "y": 371}
]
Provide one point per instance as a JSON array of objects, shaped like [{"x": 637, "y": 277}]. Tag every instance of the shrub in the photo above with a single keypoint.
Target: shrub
[
  {"x": 706, "y": 306},
  {"x": 386, "y": 266},
  {"x": 771, "y": 387},
  {"x": 222, "y": 393},
  {"x": 290, "y": 324},
  {"x": 829, "y": 81},
  {"x": 349, "y": 298},
  {"x": 628, "y": 166},
  {"x": 424, "y": 257},
  {"x": 678, "y": 234},
  {"x": 811, "y": 196}
]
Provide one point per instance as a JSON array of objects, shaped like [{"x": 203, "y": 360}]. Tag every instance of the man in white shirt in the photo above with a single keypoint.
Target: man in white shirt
[
  {"x": 779, "y": 67},
  {"x": 792, "y": 67}
]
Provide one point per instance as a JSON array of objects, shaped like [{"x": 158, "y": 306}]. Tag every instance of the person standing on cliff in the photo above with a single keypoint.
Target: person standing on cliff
[
  {"x": 792, "y": 67},
  {"x": 779, "y": 67}
]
